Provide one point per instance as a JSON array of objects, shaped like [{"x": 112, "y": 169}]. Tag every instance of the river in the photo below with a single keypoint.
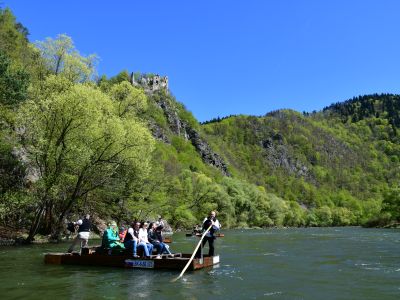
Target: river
[{"x": 295, "y": 263}]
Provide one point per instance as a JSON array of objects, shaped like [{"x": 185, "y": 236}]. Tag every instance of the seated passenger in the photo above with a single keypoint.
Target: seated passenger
[
  {"x": 143, "y": 239},
  {"x": 197, "y": 229},
  {"x": 139, "y": 244},
  {"x": 122, "y": 233},
  {"x": 153, "y": 239},
  {"x": 110, "y": 237},
  {"x": 158, "y": 239},
  {"x": 131, "y": 240}
]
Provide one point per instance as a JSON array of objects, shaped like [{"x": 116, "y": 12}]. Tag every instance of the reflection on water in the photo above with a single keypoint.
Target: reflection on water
[{"x": 313, "y": 263}]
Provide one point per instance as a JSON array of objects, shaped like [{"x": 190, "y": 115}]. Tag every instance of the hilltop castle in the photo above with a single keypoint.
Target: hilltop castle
[{"x": 150, "y": 83}]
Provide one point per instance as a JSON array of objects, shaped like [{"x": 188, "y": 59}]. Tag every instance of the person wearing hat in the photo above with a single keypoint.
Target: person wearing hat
[
  {"x": 111, "y": 237},
  {"x": 83, "y": 233}
]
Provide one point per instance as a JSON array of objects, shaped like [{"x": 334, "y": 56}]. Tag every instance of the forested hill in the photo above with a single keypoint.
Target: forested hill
[
  {"x": 385, "y": 106},
  {"x": 124, "y": 148},
  {"x": 315, "y": 160}
]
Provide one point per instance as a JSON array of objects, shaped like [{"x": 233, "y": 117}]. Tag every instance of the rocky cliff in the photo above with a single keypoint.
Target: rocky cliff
[{"x": 176, "y": 125}]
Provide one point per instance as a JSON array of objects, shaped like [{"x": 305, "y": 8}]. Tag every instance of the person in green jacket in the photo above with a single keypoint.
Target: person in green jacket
[{"x": 111, "y": 237}]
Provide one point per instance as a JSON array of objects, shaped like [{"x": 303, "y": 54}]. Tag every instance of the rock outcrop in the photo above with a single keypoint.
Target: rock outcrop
[
  {"x": 278, "y": 156},
  {"x": 181, "y": 128},
  {"x": 206, "y": 152}
]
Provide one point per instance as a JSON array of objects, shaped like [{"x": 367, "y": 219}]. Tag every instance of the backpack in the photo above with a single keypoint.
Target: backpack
[{"x": 71, "y": 227}]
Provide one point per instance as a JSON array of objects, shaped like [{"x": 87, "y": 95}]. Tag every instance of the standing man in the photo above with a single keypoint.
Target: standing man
[
  {"x": 212, "y": 221},
  {"x": 83, "y": 233}
]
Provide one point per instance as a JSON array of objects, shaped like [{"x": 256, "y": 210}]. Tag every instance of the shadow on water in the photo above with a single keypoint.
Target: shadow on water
[{"x": 311, "y": 263}]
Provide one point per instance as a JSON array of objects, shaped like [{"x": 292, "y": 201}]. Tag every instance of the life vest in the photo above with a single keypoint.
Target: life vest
[{"x": 71, "y": 227}]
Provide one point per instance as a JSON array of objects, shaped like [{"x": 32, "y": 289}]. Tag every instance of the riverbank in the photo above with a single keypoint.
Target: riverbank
[{"x": 12, "y": 237}]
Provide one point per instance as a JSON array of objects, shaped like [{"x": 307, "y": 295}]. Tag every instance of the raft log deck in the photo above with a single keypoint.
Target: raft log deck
[{"x": 175, "y": 261}]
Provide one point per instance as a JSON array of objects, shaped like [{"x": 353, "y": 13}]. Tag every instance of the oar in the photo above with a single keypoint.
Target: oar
[{"x": 194, "y": 253}]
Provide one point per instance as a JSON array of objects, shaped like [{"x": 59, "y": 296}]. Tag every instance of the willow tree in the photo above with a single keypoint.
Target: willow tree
[
  {"x": 62, "y": 58},
  {"x": 77, "y": 140}
]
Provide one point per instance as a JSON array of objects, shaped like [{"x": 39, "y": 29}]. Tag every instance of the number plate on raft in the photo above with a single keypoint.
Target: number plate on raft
[{"x": 144, "y": 264}]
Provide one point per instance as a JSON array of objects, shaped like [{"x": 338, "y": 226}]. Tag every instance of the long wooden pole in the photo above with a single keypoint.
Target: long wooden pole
[{"x": 194, "y": 253}]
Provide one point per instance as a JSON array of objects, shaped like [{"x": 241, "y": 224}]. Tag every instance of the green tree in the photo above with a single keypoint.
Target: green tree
[
  {"x": 200, "y": 192},
  {"x": 391, "y": 204},
  {"x": 13, "y": 83},
  {"x": 13, "y": 37},
  {"x": 130, "y": 101},
  {"x": 76, "y": 139},
  {"x": 324, "y": 216},
  {"x": 62, "y": 58}
]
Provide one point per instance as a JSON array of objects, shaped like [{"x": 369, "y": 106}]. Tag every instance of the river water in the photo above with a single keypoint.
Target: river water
[{"x": 304, "y": 263}]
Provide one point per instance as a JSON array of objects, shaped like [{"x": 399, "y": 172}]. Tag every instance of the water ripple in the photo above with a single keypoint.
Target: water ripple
[{"x": 273, "y": 293}]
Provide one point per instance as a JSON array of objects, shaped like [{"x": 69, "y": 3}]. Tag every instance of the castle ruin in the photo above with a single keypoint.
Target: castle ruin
[{"x": 150, "y": 83}]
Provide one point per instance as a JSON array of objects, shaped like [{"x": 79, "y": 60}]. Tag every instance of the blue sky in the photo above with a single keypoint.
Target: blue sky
[{"x": 235, "y": 57}]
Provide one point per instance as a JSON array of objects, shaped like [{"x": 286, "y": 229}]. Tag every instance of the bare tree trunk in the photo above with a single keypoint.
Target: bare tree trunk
[
  {"x": 56, "y": 231},
  {"x": 57, "y": 227},
  {"x": 48, "y": 218},
  {"x": 35, "y": 225}
]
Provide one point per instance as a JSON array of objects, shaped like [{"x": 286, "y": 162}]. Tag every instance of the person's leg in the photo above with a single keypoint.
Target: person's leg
[
  {"x": 145, "y": 248},
  {"x": 74, "y": 243},
  {"x": 158, "y": 247},
  {"x": 211, "y": 245},
  {"x": 134, "y": 245},
  {"x": 198, "y": 253},
  {"x": 162, "y": 248},
  {"x": 130, "y": 246},
  {"x": 85, "y": 243},
  {"x": 84, "y": 239},
  {"x": 205, "y": 240},
  {"x": 150, "y": 248}
]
